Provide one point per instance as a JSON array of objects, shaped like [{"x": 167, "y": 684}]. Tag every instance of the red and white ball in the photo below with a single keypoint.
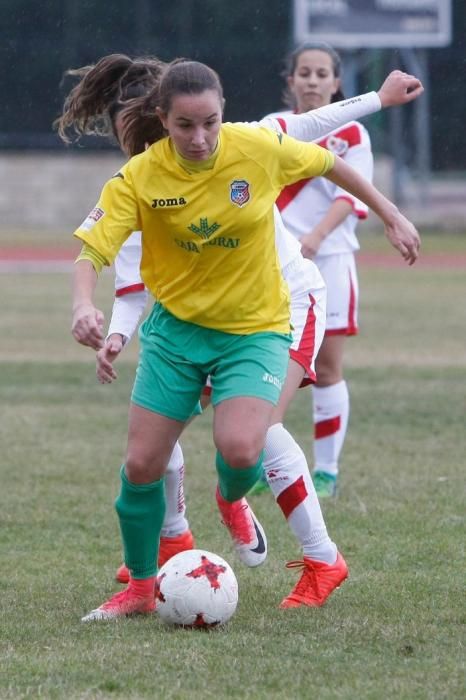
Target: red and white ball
[{"x": 196, "y": 588}]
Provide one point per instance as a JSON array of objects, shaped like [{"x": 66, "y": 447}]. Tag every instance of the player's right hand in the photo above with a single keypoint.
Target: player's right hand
[
  {"x": 87, "y": 326},
  {"x": 106, "y": 356}
]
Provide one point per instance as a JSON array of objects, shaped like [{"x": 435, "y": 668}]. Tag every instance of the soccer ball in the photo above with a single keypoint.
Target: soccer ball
[{"x": 196, "y": 588}]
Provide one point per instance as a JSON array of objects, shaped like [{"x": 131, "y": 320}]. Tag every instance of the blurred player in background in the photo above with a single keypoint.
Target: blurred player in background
[{"x": 323, "y": 217}]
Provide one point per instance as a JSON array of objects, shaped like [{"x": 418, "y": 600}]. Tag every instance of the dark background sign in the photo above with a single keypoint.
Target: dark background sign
[{"x": 374, "y": 23}]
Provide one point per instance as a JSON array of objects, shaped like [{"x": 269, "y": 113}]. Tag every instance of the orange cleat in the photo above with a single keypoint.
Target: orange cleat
[
  {"x": 169, "y": 546},
  {"x": 316, "y": 583},
  {"x": 136, "y": 599}
]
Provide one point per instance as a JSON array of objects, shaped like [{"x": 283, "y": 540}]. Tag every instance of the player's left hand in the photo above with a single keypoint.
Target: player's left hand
[
  {"x": 106, "y": 356},
  {"x": 310, "y": 244}
]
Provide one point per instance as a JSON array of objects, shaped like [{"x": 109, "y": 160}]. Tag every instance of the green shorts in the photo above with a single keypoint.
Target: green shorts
[{"x": 176, "y": 358}]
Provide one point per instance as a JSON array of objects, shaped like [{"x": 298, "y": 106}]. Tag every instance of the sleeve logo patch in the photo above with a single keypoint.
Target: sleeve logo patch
[{"x": 92, "y": 218}]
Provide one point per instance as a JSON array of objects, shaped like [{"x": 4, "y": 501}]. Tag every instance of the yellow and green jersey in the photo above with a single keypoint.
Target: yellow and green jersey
[{"x": 208, "y": 236}]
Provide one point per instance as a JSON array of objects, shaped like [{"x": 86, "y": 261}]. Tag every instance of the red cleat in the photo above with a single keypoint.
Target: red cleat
[
  {"x": 169, "y": 546},
  {"x": 316, "y": 583},
  {"x": 136, "y": 599}
]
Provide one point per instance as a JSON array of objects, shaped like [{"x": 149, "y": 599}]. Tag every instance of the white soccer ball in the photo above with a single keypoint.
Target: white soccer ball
[{"x": 196, "y": 588}]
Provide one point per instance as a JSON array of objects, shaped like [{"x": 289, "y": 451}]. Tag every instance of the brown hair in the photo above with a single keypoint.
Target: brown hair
[
  {"x": 103, "y": 91},
  {"x": 292, "y": 61},
  {"x": 180, "y": 77}
]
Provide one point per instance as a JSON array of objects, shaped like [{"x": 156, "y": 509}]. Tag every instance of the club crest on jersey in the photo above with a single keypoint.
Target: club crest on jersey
[
  {"x": 92, "y": 218},
  {"x": 239, "y": 192},
  {"x": 337, "y": 145}
]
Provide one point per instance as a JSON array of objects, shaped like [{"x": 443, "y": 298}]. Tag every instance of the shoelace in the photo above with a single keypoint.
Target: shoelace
[{"x": 302, "y": 585}]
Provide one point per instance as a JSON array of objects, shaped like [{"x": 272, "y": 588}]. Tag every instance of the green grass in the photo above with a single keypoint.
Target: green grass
[{"x": 394, "y": 630}]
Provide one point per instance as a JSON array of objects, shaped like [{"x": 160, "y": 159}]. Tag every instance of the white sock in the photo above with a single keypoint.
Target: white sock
[
  {"x": 330, "y": 413},
  {"x": 288, "y": 476},
  {"x": 175, "y": 522}
]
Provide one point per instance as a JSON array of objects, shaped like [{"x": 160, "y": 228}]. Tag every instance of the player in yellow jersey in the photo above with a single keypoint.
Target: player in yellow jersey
[
  {"x": 94, "y": 106},
  {"x": 222, "y": 306}
]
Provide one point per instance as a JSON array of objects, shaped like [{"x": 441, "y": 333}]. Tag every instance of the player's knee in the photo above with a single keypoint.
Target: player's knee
[
  {"x": 240, "y": 452},
  {"x": 141, "y": 468}
]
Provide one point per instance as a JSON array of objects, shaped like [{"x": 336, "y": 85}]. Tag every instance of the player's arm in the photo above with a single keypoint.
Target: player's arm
[
  {"x": 398, "y": 88},
  {"x": 88, "y": 321},
  {"x": 358, "y": 156},
  {"x": 400, "y": 232},
  {"x": 130, "y": 292},
  {"x": 335, "y": 215},
  {"x": 103, "y": 233},
  {"x": 126, "y": 313}
]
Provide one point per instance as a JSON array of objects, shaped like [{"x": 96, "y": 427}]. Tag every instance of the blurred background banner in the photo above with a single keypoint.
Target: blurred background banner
[
  {"x": 420, "y": 150},
  {"x": 408, "y": 26},
  {"x": 355, "y": 24}
]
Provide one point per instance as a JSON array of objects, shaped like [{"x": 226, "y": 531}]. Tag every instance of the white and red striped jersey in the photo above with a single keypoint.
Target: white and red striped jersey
[{"x": 303, "y": 204}]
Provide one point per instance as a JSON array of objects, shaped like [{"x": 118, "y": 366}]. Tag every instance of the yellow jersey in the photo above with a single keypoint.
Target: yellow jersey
[{"x": 208, "y": 236}]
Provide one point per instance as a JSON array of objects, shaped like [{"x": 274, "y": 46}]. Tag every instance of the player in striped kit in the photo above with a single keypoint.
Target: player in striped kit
[
  {"x": 324, "y": 217},
  {"x": 293, "y": 501}
]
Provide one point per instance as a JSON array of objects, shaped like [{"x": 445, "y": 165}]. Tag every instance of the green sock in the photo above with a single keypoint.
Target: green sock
[
  {"x": 235, "y": 483},
  {"x": 141, "y": 510}
]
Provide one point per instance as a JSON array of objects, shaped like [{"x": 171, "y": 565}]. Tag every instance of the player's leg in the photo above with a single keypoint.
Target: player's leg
[
  {"x": 245, "y": 387},
  {"x": 141, "y": 508},
  {"x": 331, "y": 407},
  {"x": 287, "y": 470},
  {"x": 240, "y": 425},
  {"x": 331, "y": 403},
  {"x": 323, "y": 568},
  {"x": 164, "y": 396},
  {"x": 176, "y": 535}
]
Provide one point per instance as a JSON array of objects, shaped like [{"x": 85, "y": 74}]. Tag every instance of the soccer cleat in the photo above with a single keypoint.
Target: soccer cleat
[
  {"x": 317, "y": 581},
  {"x": 260, "y": 486},
  {"x": 169, "y": 546},
  {"x": 246, "y": 531},
  {"x": 128, "y": 602},
  {"x": 325, "y": 484}
]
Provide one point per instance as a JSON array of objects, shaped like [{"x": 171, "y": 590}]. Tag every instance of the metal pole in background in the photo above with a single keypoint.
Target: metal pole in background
[
  {"x": 417, "y": 63},
  {"x": 396, "y": 145}
]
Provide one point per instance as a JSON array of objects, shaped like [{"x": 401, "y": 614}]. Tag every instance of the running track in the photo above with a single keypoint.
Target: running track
[{"x": 34, "y": 259}]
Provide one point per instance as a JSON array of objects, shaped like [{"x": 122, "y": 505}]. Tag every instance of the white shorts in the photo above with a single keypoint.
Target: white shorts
[
  {"x": 340, "y": 275},
  {"x": 308, "y": 297}
]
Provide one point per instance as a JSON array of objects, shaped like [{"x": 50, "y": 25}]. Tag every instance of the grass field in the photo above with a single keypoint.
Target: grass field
[{"x": 394, "y": 630}]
